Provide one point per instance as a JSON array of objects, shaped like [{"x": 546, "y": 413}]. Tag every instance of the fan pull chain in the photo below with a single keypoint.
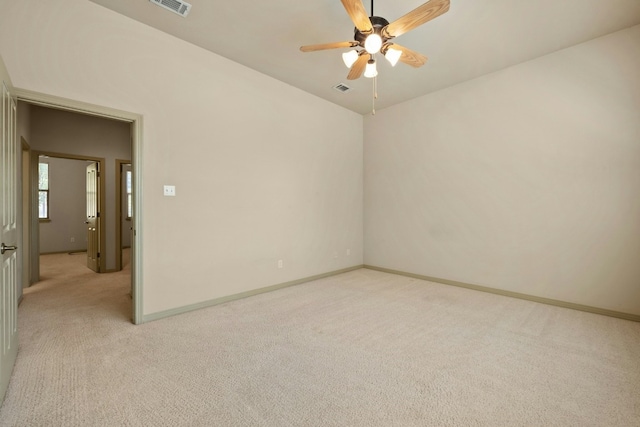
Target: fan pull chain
[{"x": 375, "y": 96}]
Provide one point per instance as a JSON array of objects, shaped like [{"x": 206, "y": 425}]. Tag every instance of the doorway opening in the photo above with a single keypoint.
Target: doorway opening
[
  {"x": 71, "y": 197},
  {"x": 114, "y": 261}
]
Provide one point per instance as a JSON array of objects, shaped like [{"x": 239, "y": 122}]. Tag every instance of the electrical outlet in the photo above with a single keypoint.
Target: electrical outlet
[
  {"x": 335, "y": 254},
  {"x": 169, "y": 190},
  {"x": 73, "y": 239},
  {"x": 348, "y": 252},
  {"x": 280, "y": 263}
]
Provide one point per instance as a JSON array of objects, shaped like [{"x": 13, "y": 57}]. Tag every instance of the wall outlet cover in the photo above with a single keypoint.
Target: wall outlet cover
[{"x": 169, "y": 190}]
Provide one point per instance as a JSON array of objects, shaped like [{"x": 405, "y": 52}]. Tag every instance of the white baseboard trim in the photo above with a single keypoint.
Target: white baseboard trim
[
  {"x": 187, "y": 308},
  {"x": 549, "y": 301}
]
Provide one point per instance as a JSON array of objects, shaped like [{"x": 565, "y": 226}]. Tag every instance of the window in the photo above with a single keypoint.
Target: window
[
  {"x": 129, "y": 198},
  {"x": 43, "y": 190}
]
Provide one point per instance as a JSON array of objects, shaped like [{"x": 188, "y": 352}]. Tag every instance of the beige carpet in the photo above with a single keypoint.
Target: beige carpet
[{"x": 363, "y": 348}]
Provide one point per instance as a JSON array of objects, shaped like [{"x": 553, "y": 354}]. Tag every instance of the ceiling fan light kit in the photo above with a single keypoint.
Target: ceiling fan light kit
[
  {"x": 392, "y": 55},
  {"x": 350, "y": 57},
  {"x": 374, "y": 34},
  {"x": 371, "y": 70}
]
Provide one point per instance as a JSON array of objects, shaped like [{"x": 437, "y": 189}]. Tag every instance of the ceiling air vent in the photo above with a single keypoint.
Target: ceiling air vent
[
  {"x": 176, "y": 6},
  {"x": 341, "y": 87}
]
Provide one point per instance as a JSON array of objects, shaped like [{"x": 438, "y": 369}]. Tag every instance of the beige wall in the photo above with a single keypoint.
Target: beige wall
[
  {"x": 263, "y": 171},
  {"x": 526, "y": 180}
]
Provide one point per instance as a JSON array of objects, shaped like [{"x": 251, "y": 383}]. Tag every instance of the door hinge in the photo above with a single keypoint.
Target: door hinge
[
  {"x": 98, "y": 215},
  {"x": 98, "y": 256}
]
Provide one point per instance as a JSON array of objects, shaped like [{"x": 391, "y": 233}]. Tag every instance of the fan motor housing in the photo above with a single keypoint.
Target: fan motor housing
[{"x": 378, "y": 24}]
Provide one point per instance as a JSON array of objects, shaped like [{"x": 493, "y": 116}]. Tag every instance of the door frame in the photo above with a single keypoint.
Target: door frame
[
  {"x": 26, "y": 202},
  {"x": 50, "y": 101},
  {"x": 101, "y": 203},
  {"x": 119, "y": 219}
]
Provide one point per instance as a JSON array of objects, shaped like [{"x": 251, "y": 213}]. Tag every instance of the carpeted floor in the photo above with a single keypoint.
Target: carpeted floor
[{"x": 363, "y": 348}]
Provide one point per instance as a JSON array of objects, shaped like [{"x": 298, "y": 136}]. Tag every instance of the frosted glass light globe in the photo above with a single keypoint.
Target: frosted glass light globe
[
  {"x": 370, "y": 70},
  {"x": 373, "y": 43},
  {"x": 393, "y": 55},
  {"x": 350, "y": 58}
]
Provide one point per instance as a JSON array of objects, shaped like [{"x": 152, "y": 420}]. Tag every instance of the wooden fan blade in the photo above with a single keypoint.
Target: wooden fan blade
[
  {"x": 410, "y": 57},
  {"x": 358, "y": 67},
  {"x": 418, "y": 16},
  {"x": 358, "y": 15},
  {"x": 325, "y": 46}
]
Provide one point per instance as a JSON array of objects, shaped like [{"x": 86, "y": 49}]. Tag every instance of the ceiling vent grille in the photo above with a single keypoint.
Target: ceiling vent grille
[
  {"x": 176, "y": 6},
  {"x": 341, "y": 87}
]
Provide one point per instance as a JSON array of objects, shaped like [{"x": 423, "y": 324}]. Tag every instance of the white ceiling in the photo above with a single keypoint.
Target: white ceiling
[{"x": 475, "y": 37}]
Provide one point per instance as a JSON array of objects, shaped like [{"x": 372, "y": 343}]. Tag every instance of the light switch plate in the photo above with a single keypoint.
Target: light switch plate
[{"x": 169, "y": 190}]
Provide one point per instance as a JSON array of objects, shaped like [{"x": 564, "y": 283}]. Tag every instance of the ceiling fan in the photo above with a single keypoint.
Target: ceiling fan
[{"x": 375, "y": 34}]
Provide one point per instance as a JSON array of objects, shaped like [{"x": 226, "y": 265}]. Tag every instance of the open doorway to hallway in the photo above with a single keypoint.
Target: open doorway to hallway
[
  {"x": 70, "y": 200},
  {"x": 81, "y": 134}
]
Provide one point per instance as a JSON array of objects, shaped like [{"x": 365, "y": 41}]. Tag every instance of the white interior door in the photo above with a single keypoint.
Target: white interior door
[
  {"x": 9, "y": 277},
  {"x": 93, "y": 217}
]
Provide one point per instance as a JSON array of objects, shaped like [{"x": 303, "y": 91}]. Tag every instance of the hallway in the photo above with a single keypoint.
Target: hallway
[{"x": 68, "y": 287}]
